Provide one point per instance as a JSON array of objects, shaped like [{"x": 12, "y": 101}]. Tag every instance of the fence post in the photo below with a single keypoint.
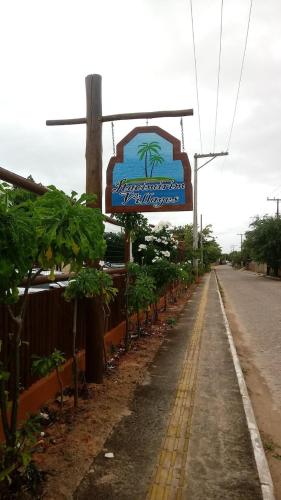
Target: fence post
[{"x": 94, "y": 355}]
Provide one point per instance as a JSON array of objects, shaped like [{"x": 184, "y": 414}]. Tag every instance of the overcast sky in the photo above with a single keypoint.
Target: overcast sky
[{"x": 143, "y": 50}]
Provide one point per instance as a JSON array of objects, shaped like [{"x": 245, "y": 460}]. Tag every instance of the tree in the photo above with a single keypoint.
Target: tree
[
  {"x": 211, "y": 248},
  {"x": 87, "y": 284},
  {"x": 54, "y": 229},
  {"x": 134, "y": 224},
  {"x": 145, "y": 151},
  {"x": 263, "y": 242},
  {"x": 155, "y": 160},
  {"x": 141, "y": 290}
]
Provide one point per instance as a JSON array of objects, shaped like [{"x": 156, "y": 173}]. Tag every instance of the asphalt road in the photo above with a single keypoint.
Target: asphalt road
[{"x": 256, "y": 303}]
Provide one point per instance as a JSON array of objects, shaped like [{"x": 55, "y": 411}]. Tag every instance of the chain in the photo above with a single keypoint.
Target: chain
[
  {"x": 113, "y": 138},
  {"x": 182, "y": 134}
]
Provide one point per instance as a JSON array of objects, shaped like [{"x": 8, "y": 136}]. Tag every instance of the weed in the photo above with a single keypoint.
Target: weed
[{"x": 171, "y": 321}]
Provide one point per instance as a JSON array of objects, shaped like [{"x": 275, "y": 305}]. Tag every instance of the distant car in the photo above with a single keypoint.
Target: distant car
[{"x": 113, "y": 265}]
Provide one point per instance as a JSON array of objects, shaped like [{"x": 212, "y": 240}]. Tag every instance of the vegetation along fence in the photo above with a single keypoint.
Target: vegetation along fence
[{"x": 48, "y": 325}]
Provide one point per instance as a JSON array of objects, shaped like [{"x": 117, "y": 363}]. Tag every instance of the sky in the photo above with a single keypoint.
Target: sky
[{"x": 143, "y": 50}]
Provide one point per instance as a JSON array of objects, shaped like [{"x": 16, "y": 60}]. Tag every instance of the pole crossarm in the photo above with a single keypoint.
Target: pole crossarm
[
  {"x": 124, "y": 116},
  {"x": 68, "y": 121},
  {"x": 277, "y": 201},
  {"x": 212, "y": 156},
  {"x": 147, "y": 114},
  {"x": 209, "y": 155}
]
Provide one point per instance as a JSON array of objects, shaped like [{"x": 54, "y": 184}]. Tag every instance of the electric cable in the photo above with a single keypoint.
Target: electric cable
[
  {"x": 240, "y": 78},
  {"x": 218, "y": 80},
  {"x": 196, "y": 75}
]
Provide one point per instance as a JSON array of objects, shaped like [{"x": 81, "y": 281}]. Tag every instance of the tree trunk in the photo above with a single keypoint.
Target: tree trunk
[
  {"x": 61, "y": 387},
  {"x": 145, "y": 165},
  {"x": 16, "y": 373},
  {"x": 138, "y": 322},
  {"x": 74, "y": 355}
]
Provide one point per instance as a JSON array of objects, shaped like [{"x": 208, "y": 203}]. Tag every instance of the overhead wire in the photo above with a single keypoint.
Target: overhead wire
[
  {"x": 196, "y": 75},
  {"x": 218, "y": 80},
  {"x": 240, "y": 77}
]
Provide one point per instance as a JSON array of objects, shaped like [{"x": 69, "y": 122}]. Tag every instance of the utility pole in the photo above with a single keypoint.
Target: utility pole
[
  {"x": 241, "y": 240},
  {"x": 212, "y": 156},
  {"x": 201, "y": 240},
  {"x": 277, "y": 201}
]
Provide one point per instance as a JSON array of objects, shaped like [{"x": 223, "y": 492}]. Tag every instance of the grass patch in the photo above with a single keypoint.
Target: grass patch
[{"x": 149, "y": 179}]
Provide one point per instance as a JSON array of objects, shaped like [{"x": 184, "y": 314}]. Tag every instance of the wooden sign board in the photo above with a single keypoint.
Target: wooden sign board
[{"x": 148, "y": 174}]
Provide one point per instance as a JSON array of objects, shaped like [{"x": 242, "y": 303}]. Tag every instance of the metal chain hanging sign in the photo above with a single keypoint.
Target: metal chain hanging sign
[{"x": 149, "y": 173}]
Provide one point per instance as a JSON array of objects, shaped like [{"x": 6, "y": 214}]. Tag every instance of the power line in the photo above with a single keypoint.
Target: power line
[
  {"x": 196, "y": 75},
  {"x": 240, "y": 78},
  {"x": 218, "y": 82}
]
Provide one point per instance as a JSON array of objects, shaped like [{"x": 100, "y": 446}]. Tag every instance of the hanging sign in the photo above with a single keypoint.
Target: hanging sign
[{"x": 148, "y": 174}]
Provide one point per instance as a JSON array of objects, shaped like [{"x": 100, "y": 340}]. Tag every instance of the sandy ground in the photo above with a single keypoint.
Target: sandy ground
[
  {"x": 69, "y": 445},
  {"x": 266, "y": 406}
]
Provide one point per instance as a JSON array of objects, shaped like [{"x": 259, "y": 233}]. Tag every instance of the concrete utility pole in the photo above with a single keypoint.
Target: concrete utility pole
[
  {"x": 241, "y": 240},
  {"x": 277, "y": 200},
  {"x": 212, "y": 156},
  {"x": 201, "y": 240}
]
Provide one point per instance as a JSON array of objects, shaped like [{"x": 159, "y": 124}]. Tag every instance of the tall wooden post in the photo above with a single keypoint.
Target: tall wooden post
[
  {"x": 93, "y": 121},
  {"x": 94, "y": 137},
  {"x": 94, "y": 312}
]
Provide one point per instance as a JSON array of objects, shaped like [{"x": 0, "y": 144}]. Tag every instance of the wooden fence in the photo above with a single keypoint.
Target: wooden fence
[{"x": 48, "y": 325}]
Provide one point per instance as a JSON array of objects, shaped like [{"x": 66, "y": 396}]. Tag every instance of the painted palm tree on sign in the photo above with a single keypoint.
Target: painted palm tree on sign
[
  {"x": 154, "y": 161},
  {"x": 145, "y": 151}
]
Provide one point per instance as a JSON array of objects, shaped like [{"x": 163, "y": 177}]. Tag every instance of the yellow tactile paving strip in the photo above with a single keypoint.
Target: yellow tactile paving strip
[{"x": 170, "y": 472}]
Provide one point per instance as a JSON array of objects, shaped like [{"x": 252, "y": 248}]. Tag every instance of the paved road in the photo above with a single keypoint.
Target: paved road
[
  {"x": 256, "y": 302},
  {"x": 254, "y": 309}
]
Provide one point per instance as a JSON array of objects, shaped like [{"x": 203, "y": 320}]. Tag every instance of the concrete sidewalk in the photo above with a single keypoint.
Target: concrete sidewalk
[{"x": 186, "y": 436}]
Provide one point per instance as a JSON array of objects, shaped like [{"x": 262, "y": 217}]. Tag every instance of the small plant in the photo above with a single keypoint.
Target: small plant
[
  {"x": 43, "y": 366},
  {"x": 141, "y": 291},
  {"x": 88, "y": 283},
  {"x": 269, "y": 446},
  {"x": 16, "y": 467},
  {"x": 171, "y": 321}
]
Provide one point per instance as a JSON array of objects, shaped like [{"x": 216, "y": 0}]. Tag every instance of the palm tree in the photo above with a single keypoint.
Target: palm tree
[
  {"x": 155, "y": 160},
  {"x": 148, "y": 149}
]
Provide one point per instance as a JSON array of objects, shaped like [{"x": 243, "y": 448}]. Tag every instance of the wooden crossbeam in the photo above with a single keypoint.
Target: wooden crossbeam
[
  {"x": 124, "y": 116},
  {"x": 33, "y": 187}
]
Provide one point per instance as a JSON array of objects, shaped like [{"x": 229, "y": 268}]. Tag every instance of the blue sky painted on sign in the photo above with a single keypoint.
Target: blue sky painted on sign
[{"x": 132, "y": 167}]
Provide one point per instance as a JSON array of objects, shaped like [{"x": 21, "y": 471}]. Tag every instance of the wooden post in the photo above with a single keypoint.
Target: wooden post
[
  {"x": 94, "y": 138},
  {"x": 94, "y": 311},
  {"x": 94, "y": 352}
]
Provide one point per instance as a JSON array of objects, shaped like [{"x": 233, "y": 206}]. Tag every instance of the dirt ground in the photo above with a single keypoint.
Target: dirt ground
[{"x": 70, "y": 445}]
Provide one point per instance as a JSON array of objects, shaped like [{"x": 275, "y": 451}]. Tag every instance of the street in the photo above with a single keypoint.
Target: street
[{"x": 253, "y": 306}]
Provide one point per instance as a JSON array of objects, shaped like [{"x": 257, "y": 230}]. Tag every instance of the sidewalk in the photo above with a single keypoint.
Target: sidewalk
[{"x": 186, "y": 436}]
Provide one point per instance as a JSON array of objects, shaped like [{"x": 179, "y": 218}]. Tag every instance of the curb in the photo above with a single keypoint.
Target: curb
[{"x": 259, "y": 454}]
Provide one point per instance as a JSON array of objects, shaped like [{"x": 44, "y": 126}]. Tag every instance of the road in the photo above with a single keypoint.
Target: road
[{"x": 253, "y": 305}]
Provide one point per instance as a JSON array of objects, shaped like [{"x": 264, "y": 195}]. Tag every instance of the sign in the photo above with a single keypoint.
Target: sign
[{"x": 148, "y": 174}]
